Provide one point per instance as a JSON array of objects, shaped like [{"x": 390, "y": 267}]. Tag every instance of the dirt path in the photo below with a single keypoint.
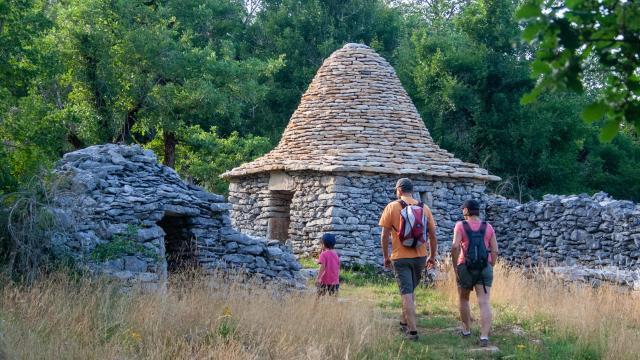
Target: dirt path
[{"x": 438, "y": 325}]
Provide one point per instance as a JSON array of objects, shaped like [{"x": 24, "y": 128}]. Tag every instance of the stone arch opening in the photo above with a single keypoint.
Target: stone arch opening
[
  {"x": 279, "y": 214},
  {"x": 179, "y": 243}
]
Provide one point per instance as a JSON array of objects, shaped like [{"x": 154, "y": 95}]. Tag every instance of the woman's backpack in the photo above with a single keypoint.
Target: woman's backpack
[{"x": 477, "y": 254}]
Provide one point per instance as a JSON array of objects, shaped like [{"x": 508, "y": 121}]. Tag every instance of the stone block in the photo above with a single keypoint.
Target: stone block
[
  {"x": 123, "y": 275},
  {"x": 261, "y": 262},
  {"x": 114, "y": 265},
  {"x": 134, "y": 264},
  {"x": 150, "y": 233},
  {"x": 253, "y": 250},
  {"x": 279, "y": 181},
  {"x": 239, "y": 259},
  {"x": 231, "y": 247},
  {"x": 146, "y": 277},
  {"x": 274, "y": 251},
  {"x": 534, "y": 234}
]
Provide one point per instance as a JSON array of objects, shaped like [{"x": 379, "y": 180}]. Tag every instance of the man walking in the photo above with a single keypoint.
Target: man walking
[
  {"x": 474, "y": 252},
  {"x": 407, "y": 221}
]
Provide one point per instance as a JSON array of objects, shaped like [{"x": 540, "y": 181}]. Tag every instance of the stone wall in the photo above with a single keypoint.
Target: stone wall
[
  {"x": 253, "y": 201},
  {"x": 132, "y": 207},
  {"x": 570, "y": 234},
  {"x": 591, "y": 231},
  {"x": 348, "y": 205}
]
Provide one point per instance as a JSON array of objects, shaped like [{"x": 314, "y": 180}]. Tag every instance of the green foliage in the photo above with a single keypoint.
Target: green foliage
[
  {"x": 305, "y": 33},
  {"x": 211, "y": 84},
  {"x": 28, "y": 225},
  {"x": 111, "y": 71},
  {"x": 568, "y": 35},
  {"x": 309, "y": 263},
  {"x": 466, "y": 77},
  {"x": 121, "y": 245},
  {"x": 203, "y": 155}
]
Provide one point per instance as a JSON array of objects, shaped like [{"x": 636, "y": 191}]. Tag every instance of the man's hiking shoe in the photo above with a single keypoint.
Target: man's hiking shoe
[
  {"x": 464, "y": 334},
  {"x": 412, "y": 335},
  {"x": 404, "y": 328},
  {"x": 484, "y": 342}
]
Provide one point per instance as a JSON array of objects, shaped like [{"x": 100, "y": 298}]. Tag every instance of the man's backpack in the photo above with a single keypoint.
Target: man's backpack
[
  {"x": 477, "y": 255},
  {"x": 413, "y": 225}
]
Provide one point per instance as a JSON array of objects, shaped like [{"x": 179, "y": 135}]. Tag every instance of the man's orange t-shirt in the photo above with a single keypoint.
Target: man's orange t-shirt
[{"x": 391, "y": 219}]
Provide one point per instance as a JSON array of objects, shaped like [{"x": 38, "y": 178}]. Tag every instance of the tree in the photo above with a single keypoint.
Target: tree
[
  {"x": 466, "y": 77},
  {"x": 304, "y": 33},
  {"x": 569, "y": 35},
  {"x": 204, "y": 155},
  {"x": 127, "y": 71},
  {"x": 21, "y": 21}
]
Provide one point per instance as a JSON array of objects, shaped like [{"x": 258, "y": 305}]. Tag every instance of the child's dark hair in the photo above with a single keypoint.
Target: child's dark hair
[{"x": 329, "y": 240}]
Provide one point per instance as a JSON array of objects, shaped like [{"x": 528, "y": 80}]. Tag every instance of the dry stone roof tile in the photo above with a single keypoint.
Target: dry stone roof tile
[{"x": 356, "y": 116}]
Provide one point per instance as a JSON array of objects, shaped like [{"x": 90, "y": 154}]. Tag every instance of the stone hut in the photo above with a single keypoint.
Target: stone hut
[
  {"x": 354, "y": 133},
  {"x": 130, "y": 218}
]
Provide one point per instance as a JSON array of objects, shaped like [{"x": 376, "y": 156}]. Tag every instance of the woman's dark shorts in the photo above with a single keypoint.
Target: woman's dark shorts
[
  {"x": 408, "y": 273},
  {"x": 467, "y": 279},
  {"x": 324, "y": 289}
]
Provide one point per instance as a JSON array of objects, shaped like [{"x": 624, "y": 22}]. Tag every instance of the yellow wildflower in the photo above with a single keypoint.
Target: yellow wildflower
[{"x": 135, "y": 336}]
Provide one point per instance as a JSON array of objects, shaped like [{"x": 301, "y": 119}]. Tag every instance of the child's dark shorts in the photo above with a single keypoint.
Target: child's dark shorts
[
  {"x": 408, "y": 273},
  {"x": 467, "y": 279},
  {"x": 324, "y": 289}
]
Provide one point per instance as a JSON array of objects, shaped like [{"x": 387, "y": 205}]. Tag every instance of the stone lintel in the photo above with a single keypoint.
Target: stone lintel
[{"x": 280, "y": 181}]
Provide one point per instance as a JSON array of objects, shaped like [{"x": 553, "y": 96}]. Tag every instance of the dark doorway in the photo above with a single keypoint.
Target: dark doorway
[
  {"x": 179, "y": 243},
  {"x": 279, "y": 215}
]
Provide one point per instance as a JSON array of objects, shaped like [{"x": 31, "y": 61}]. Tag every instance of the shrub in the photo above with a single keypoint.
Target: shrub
[{"x": 28, "y": 222}]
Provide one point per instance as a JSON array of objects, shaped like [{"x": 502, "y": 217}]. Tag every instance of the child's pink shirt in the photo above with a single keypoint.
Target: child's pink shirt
[{"x": 331, "y": 262}]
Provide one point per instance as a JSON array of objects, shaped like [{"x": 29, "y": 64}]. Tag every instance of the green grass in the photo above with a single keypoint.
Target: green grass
[
  {"x": 308, "y": 263},
  {"x": 515, "y": 336}
]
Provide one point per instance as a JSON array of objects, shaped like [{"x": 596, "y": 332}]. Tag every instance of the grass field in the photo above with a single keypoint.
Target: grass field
[
  {"x": 223, "y": 318},
  {"x": 515, "y": 335}
]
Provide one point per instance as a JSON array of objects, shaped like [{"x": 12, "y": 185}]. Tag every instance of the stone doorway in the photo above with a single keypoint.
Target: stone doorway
[
  {"x": 179, "y": 243},
  {"x": 279, "y": 215}
]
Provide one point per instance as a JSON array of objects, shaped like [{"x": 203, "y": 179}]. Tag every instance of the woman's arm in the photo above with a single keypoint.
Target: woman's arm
[{"x": 494, "y": 249}]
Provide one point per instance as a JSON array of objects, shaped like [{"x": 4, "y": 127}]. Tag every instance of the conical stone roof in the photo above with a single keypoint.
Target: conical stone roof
[{"x": 356, "y": 116}]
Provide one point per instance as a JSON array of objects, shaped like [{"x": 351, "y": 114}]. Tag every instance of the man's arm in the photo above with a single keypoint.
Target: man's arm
[
  {"x": 384, "y": 243},
  {"x": 455, "y": 249},
  {"x": 433, "y": 240}
]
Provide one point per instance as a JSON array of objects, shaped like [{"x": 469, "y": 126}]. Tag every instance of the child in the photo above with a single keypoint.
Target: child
[{"x": 328, "y": 281}]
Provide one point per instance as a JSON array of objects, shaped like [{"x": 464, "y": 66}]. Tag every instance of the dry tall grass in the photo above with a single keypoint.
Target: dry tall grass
[
  {"x": 606, "y": 319},
  {"x": 197, "y": 318}
]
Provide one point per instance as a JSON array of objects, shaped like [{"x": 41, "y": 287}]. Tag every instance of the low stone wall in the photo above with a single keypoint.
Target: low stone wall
[
  {"x": 593, "y": 232},
  {"x": 133, "y": 219},
  {"x": 348, "y": 205}
]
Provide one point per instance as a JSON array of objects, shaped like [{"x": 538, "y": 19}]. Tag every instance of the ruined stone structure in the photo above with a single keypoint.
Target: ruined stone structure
[
  {"x": 353, "y": 135},
  {"x": 135, "y": 220},
  {"x": 581, "y": 237}
]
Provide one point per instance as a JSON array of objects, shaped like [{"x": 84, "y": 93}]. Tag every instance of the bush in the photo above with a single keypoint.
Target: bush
[{"x": 28, "y": 222}]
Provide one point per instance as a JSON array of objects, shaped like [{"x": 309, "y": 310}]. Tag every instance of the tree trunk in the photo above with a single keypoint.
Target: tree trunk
[
  {"x": 75, "y": 141},
  {"x": 125, "y": 133},
  {"x": 170, "y": 149}
]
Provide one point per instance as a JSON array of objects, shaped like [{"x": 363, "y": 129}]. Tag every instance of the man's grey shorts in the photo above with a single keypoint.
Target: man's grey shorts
[{"x": 408, "y": 273}]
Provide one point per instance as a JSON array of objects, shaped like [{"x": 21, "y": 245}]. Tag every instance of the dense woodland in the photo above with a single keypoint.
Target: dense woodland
[{"x": 209, "y": 84}]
